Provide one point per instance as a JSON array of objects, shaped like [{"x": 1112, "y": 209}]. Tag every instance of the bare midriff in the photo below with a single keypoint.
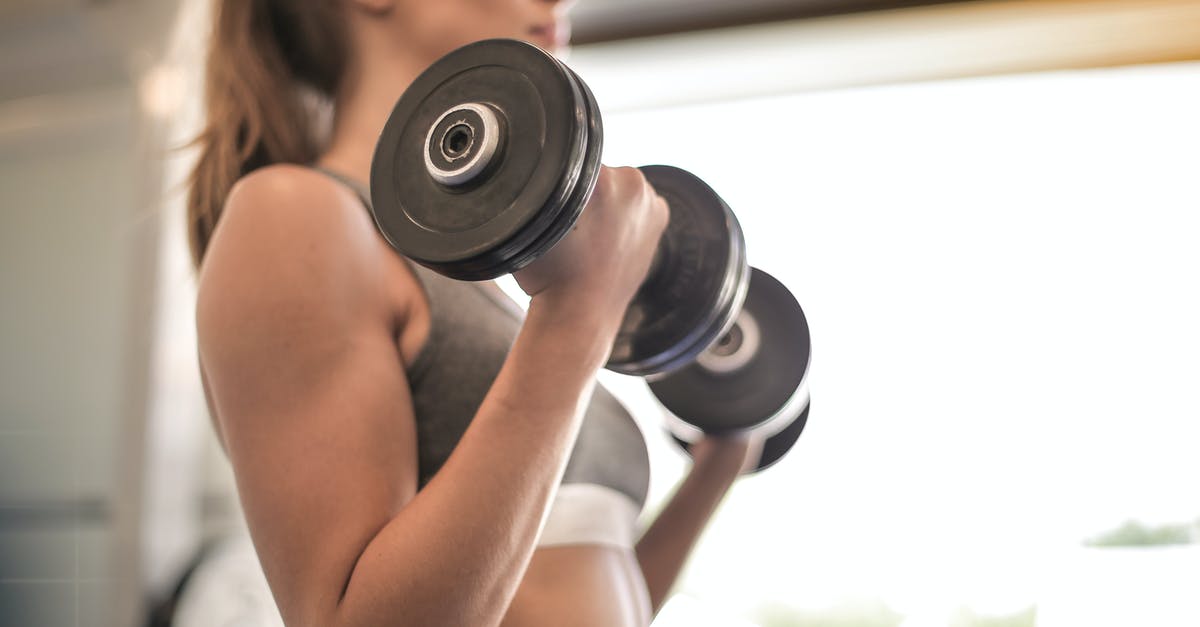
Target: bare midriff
[{"x": 585, "y": 585}]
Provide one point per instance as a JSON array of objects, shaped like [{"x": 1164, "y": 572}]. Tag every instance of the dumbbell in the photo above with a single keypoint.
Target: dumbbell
[
  {"x": 488, "y": 159},
  {"x": 754, "y": 378}
]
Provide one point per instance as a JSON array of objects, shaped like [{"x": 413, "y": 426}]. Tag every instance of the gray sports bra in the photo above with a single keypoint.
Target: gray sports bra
[{"x": 472, "y": 330}]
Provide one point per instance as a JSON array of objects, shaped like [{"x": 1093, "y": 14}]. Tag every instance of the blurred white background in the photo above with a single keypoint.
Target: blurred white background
[{"x": 1001, "y": 277}]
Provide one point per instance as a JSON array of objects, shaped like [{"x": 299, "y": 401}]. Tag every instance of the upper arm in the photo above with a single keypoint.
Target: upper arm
[{"x": 296, "y": 331}]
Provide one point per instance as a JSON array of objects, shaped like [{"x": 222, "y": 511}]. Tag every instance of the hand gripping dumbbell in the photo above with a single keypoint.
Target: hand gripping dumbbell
[
  {"x": 754, "y": 378},
  {"x": 489, "y": 158}
]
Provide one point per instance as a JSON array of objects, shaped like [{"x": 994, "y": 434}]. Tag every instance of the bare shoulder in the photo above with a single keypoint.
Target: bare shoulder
[
  {"x": 289, "y": 210},
  {"x": 293, "y": 242}
]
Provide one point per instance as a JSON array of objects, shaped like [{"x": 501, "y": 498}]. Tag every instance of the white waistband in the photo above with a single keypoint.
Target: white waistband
[{"x": 586, "y": 513}]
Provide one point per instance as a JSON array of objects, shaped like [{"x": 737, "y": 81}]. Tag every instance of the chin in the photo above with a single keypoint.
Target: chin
[{"x": 553, "y": 47}]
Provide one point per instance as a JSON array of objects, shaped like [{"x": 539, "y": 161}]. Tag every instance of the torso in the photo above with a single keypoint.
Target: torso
[
  {"x": 577, "y": 584},
  {"x": 582, "y": 586}
]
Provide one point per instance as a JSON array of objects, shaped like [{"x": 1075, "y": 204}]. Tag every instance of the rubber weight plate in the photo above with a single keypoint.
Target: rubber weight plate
[
  {"x": 581, "y": 190},
  {"x": 696, "y": 286},
  {"x": 775, "y": 447},
  {"x": 486, "y": 160},
  {"x": 779, "y": 444},
  {"x": 755, "y": 375}
]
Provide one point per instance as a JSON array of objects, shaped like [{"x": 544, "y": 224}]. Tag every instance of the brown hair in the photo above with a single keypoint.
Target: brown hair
[{"x": 264, "y": 57}]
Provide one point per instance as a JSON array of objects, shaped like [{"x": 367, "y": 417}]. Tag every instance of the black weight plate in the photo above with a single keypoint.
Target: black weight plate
[
  {"x": 779, "y": 444},
  {"x": 474, "y": 232},
  {"x": 775, "y": 447},
  {"x": 589, "y": 173},
  {"x": 697, "y": 285},
  {"x": 744, "y": 398}
]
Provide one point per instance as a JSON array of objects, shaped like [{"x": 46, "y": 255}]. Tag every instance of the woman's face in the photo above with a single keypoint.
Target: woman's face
[{"x": 436, "y": 27}]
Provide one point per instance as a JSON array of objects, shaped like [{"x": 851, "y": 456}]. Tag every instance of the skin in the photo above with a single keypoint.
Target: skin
[{"x": 305, "y": 321}]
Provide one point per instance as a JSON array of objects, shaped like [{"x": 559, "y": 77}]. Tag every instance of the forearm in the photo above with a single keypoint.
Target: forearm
[
  {"x": 664, "y": 548},
  {"x": 456, "y": 553}
]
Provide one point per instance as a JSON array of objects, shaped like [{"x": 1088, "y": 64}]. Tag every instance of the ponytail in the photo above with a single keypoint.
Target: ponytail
[{"x": 264, "y": 58}]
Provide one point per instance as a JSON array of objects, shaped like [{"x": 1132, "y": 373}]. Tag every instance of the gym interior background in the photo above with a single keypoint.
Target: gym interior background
[{"x": 988, "y": 209}]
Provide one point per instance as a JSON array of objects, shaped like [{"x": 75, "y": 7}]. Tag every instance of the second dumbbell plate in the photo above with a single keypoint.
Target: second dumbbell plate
[
  {"x": 692, "y": 295},
  {"x": 735, "y": 387}
]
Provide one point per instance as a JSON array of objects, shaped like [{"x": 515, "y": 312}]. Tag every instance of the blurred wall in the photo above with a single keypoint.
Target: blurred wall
[{"x": 77, "y": 250}]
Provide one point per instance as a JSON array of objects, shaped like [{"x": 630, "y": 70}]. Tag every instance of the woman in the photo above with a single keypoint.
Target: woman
[{"x": 400, "y": 439}]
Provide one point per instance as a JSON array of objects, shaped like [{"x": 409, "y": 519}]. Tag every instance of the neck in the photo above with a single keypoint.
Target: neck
[{"x": 361, "y": 109}]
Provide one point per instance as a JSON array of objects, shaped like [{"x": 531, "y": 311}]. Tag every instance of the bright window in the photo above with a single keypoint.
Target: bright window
[{"x": 1003, "y": 281}]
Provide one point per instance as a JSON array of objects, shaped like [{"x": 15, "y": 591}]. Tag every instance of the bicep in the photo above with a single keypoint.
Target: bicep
[
  {"x": 320, "y": 475},
  {"x": 311, "y": 400}
]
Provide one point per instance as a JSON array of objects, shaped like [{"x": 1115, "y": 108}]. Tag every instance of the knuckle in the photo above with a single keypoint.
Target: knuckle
[
  {"x": 633, "y": 178},
  {"x": 605, "y": 181}
]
